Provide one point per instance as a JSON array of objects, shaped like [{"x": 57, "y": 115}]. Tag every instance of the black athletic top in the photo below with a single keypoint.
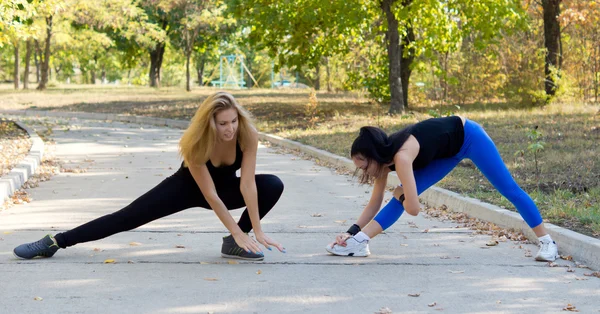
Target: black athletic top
[
  {"x": 220, "y": 174},
  {"x": 438, "y": 138},
  {"x": 225, "y": 171}
]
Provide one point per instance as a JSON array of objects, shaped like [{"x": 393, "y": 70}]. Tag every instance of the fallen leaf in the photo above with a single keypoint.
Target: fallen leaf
[
  {"x": 135, "y": 244},
  {"x": 109, "y": 261},
  {"x": 567, "y": 257},
  {"x": 259, "y": 272},
  {"x": 457, "y": 271},
  {"x": 594, "y": 274},
  {"x": 432, "y": 304},
  {"x": 570, "y": 270},
  {"x": 7, "y": 232},
  {"x": 232, "y": 262},
  {"x": 445, "y": 257},
  {"x": 204, "y": 263},
  {"x": 426, "y": 230},
  {"x": 316, "y": 215},
  {"x": 384, "y": 310},
  {"x": 97, "y": 250},
  {"x": 180, "y": 246},
  {"x": 38, "y": 298},
  {"x": 492, "y": 243},
  {"x": 498, "y": 302},
  {"x": 130, "y": 262},
  {"x": 414, "y": 295},
  {"x": 570, "y": 308},
  {"x": 402, "y": 244},
  {"x": 211, "y": 279},
  {"x": 340, "y": 221}
]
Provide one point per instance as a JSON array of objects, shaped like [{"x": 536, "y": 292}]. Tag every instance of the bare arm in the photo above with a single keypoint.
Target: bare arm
[
  {"x": 403, "y": 161},
  {"x": 249, "y": 192},
  {"x": 374, "y": 203},
  {"x": 248, "y": 182},
  {"x": 207, "y": 187}
]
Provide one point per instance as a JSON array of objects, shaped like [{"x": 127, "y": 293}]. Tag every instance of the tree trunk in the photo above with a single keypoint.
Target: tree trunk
[
  {"x": 188, "y": 84},
  {"x": 595, "y": 73},
  {"x": 156, "y": 57},
  {"x": 93, "y": 77},
  {"x": 36, "y": 59},
  {"x": 200, "y": 70},
  {"x": 17, "y": 59},
  {"x": 328, "y": 75},
  {"x": 103, "y": 75},
  {"x": 46, "y": 55},
  {"x": 407, "y": 62},
  {"x": 394, "y": 56},
  {"x": 318, "y": 77},
  {"x": 27, "y": 62},
  {"x": 552, "y": 43}
]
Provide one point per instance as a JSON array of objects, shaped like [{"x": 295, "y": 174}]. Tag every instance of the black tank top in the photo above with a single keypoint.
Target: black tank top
[
  {"x": 218, "y": 174},
  {"x": 438, "y": 138},
  {"x": 226, "y": 171}
]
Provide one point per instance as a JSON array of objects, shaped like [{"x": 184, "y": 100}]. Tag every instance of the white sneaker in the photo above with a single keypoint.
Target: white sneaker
[
  {"x": 548, "y": 252},
  {"x": 352, "y": 248}
]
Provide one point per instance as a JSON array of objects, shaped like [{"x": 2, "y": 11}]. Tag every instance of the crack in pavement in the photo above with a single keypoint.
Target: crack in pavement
[{"x": 239, "y": 262}]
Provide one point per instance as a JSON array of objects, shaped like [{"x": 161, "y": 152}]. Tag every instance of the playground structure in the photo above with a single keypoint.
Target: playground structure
[{"x": 232, "y": 70}]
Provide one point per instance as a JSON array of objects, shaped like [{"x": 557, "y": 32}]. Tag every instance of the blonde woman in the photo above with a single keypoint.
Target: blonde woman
[{"x": 220, "y": 140}]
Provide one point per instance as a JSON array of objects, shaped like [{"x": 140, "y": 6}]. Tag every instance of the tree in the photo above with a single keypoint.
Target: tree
[
  {"x": 15, "y": 26},
  {"x": 553, "y": 44},
  {"x": 49, "y": 11},
  {"x": 303, "y": 32},
  {"x": 200, "y": 24}
]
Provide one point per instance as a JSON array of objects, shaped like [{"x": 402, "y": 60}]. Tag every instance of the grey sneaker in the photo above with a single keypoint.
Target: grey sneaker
[
  {"x": 46, "y": 247},
  {"x": 230, "y": 249}
]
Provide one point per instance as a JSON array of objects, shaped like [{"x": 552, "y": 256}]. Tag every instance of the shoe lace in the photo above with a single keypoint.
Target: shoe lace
[
  {"x": 37, "y": 246},
  {"x": 545, "y": 246}
]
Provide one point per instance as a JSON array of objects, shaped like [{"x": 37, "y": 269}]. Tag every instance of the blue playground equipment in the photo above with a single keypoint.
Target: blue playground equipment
[{"x": 229, "y": 74}]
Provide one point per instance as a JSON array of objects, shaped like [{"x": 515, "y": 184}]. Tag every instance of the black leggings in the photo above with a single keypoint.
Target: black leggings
[{"x": 174, "y": 194}]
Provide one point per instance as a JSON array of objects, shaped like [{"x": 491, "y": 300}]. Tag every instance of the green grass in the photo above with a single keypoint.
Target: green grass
[{"x": 566, "y": 190}]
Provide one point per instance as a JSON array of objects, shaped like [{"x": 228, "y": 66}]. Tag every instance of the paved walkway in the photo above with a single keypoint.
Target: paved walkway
[{"x": 173, "y": 265}]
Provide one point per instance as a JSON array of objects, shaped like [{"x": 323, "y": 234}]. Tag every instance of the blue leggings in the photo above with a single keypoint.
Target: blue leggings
[{"x": 480, "y": 148}]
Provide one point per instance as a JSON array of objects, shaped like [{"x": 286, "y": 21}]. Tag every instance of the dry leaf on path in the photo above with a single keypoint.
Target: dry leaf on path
[
  {"x": 492, "y": 243},
  {"x": 316, "y": 215},
  {"x": 570, "y": 308},
  {"x": 135, "y": 244},
  {"x": 432, "y": 304},
  {"x": 384, "y": 310},
  {"x": 232, "y": 262},
  {"x": 109, "y": 261},
  {"x": 211, "y": 279},
  {"x": 180, "y": 246},
  {"x": 38, "y": 298},
  {"x": 457, "y": 271},
  {"x": 259, "y": 272},
  {"x": 414, "y": 295}
]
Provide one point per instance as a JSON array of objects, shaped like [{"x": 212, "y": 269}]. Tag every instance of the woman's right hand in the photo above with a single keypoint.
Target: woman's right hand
[
  {"x": 244, "y": 241},
  {"x": 341, "y": 239}
]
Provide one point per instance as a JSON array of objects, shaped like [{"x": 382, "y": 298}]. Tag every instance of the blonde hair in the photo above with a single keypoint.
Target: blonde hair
[{"x": 198, "y": 140}]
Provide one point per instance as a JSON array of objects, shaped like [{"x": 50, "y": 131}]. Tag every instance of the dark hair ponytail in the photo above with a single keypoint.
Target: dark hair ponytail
[
  {"x": 376, "y": 146},
  {"x": 373, "y": 143}
]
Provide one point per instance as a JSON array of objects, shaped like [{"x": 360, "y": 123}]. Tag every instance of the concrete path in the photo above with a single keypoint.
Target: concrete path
[{"x": 173, "y": 265}]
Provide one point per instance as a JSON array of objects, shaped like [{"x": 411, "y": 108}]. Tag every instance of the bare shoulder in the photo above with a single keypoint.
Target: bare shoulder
[{"x": 409, "y": 150}]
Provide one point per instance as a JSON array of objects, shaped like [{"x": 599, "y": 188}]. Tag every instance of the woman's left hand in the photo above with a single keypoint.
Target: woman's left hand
[{"x": 268, "y": 242}]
